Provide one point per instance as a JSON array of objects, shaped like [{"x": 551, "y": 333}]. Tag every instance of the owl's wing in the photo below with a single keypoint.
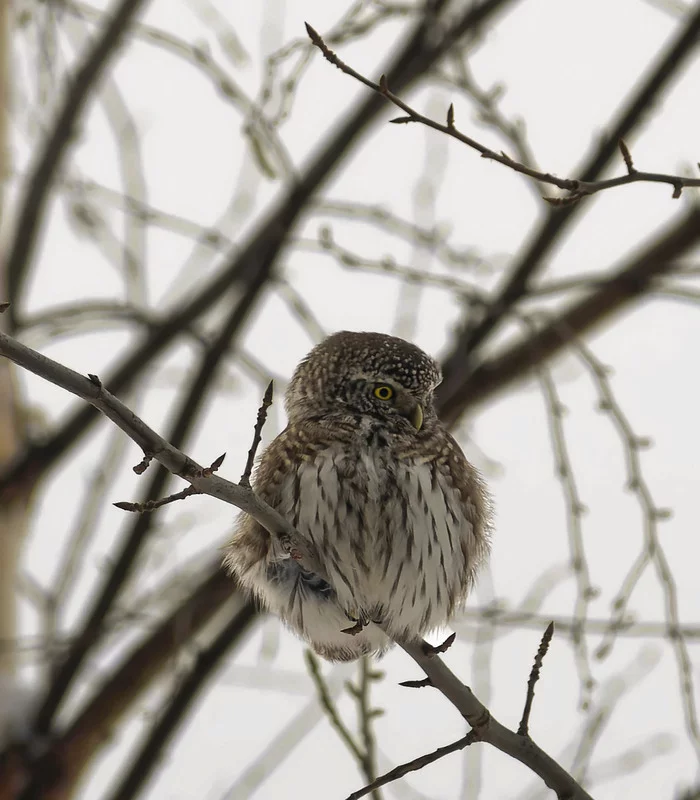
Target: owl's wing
[
  {"x": 253, "y": 555},
  {"x": 475, "y": 499}
]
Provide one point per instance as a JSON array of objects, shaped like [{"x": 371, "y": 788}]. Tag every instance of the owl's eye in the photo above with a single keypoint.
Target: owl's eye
[{"x": 383, "y": 392}]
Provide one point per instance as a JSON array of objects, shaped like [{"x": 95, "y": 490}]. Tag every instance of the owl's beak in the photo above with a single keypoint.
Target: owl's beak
[{"x": 415, "y": 417}]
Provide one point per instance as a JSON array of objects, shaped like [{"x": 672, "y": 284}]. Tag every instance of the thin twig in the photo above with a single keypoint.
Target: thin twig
[
  {"x": 48, "y": 164},
  {"x": 487, "y": 729},
  {"x": 413, "y": 766},
  {"x": 159, "y": 736},
  {"x": 459, "y": 365},
  {"x": 257, "y": 435},
  {"x": 366, "y": 714},
  {"x": 579, "y": 563},
  {"x": 576, "y": 188},
  {"x": 329, "y": 707},
  {"x": 534, "y": 677},
  {"x": 152, "y": 505}
]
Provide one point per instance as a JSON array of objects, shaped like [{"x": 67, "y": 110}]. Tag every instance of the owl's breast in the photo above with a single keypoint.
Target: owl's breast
[{"x": 391, "y": 533}]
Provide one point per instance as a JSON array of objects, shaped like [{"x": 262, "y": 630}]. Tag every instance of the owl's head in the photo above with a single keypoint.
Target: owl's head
[{"x": 368, "y": 373}]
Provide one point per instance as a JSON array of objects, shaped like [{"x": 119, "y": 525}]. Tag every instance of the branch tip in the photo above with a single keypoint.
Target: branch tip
[
  {"x": 421, "y": 684},
  {"x": 313, "y": 34},
  {"x": 534, "y": 677},
  {"x": 257, "y": 435},
  {"x": 143, "y": 465},
  {"x": 451, "y": 116},
  {"x": 123, "y": 506}
]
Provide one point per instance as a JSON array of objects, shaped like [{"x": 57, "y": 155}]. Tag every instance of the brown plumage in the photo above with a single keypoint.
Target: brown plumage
[{"x": 394, "y": 512}]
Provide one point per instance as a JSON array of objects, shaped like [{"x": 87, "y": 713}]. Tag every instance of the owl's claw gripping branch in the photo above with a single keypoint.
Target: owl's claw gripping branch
[{"x": 358, "y": 627}]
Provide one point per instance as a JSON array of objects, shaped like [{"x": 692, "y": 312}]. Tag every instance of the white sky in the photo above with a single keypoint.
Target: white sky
[{"x": 567, "y": 64}]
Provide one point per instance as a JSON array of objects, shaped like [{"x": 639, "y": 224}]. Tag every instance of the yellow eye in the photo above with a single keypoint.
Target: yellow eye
[{"x": 383, "y": 392}]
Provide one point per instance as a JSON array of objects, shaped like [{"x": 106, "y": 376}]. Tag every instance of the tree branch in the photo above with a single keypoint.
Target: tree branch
[
  {"x": 460, "y": 362},
  {"x": 252, "y": 265},
  {"x": 577, "y": 189},
  {"x": 485, "y": 728},
  {"x": 49, "y": 162},
  {"x": 609, "y": 297}
]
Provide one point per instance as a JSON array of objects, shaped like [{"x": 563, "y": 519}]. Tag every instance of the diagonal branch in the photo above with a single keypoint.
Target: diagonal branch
[
  {"x": 412, "y": 766},
  {"x": 459, "y": 363},
  {"x": 49, "y": 162},
  {"x": 577, "y": 189},
  {"x": 157, "y": 739},
  {"x": 252, "y": 265},
  {"x": 485, "y": 728},
  {"x": 609, "y": 297},
  {"x": 72, "y": 752}
]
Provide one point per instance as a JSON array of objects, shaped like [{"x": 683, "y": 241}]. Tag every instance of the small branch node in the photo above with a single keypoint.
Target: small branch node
[
  {"x": 451, "y": 116},
  {"x": 95, "y": 380},
  {"x": 421, "y": 684},
  {"x": 3, "y": 307},
  {"x": 431, "y": 650},
  {"x": 214, "y": 466}
]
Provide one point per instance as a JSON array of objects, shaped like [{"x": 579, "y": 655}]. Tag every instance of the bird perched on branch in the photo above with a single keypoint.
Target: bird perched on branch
[{"x": 391, "y": 509}]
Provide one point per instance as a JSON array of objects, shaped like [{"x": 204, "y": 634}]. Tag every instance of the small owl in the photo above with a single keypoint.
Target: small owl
[{"x": 389, "y": 505}]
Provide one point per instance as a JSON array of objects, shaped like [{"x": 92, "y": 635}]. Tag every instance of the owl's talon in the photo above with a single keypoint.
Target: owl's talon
[
  {"x": 356, "y": 628},
  {"x": 431, "y": 650}
]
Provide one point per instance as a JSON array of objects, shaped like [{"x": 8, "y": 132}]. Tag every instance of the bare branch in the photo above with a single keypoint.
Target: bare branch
[
  {"x": 611, "y": 296},
  {"x": 177, "y": 706},
  {"x": 577, "y": 189},
  {"x": 200, "y": 478},
  {"x": 412, "y": 766},
  {"x": 330, "y": 708},
  {"x": 487, "y": 729},
  {"x": 534, "y": 677},
  {"x": 257, "y": 435},
  {"x": 461, "y": 358},
  {"x": 40, "y": 182}
]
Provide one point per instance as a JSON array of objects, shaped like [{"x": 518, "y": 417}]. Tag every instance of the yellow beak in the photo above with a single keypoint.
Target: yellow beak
[{"x": 416, "y": 417}]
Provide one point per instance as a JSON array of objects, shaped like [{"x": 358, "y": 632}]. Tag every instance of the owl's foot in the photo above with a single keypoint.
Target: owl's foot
[
  {"x": 358, "y": 627},
  {"x": 361, "y": 623},
  {"x": 433, "y": 650}
]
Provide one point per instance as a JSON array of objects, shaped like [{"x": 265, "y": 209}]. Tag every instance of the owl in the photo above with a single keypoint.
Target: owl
[{"x": 388, "y": 504}]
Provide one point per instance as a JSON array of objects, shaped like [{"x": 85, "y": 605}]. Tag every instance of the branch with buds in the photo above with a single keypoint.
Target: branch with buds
[{"x": 577, "y": 189}]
